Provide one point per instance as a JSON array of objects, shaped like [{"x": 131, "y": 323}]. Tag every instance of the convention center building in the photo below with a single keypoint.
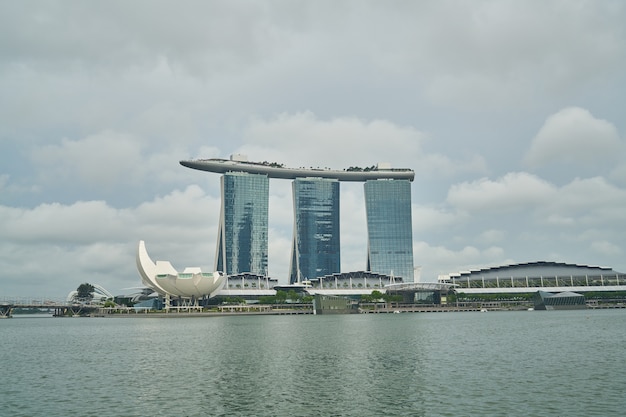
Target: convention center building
[{"x": 530, "y": 277}]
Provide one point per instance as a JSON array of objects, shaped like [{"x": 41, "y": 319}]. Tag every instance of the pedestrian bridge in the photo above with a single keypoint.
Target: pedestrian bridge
[{"x": 61, "y": 307}]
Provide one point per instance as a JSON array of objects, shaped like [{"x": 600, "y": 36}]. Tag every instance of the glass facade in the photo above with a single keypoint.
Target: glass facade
[
  {"x": 242, "y": 234},
  {"x": 315, "y": 248},
  {"x": 561, "y": 301},
  {"x": 390, "y": 237}
]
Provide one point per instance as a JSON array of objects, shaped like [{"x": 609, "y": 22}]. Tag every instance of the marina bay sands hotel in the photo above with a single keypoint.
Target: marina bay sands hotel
[{"x": 242, "y": 245}]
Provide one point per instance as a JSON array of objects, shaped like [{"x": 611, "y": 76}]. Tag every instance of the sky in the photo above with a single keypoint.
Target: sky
[{"x": 511, "y": 114}]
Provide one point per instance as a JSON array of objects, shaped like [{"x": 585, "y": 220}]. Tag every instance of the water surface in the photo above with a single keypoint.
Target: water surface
[{"x": 548, "y": 363}]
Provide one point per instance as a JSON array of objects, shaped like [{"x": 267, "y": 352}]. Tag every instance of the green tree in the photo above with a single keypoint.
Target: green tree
[
  {"x": 389, "y": 299},
  {"x": 293, "y": 295},
  {"x": 234, "y": 300},
  {"x": 281, "y": 296},
  {"x": 376, "y": 295},
  {"x": 85, "y": 292},
  {"x": 267, "y": 299}
]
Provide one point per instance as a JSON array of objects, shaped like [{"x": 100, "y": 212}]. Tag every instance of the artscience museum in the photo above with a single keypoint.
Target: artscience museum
[{"x": 188, "y": 286}]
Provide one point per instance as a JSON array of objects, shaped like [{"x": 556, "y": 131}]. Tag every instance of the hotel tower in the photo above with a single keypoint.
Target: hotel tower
[{"x": 242, "y": 245}]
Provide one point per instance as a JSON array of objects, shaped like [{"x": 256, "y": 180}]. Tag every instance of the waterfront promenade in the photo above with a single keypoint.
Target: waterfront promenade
[{"x": 63, "y": 308}]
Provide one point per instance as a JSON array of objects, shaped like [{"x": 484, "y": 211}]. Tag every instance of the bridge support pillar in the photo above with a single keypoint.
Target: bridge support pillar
[{"x": 6, "y": 311}]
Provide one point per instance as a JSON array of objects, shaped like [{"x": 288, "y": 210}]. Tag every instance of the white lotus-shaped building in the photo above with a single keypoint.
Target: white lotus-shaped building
[{"x": 164, "y": 279}]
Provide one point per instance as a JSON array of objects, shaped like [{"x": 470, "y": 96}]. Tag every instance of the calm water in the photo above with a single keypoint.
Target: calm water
[{"x": 549, "y": 363}]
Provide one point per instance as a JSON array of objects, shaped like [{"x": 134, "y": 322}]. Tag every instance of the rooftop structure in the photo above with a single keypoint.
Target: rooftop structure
[
  {"x": 528, "y": 277},
  {"x": 274, "y": 170}
]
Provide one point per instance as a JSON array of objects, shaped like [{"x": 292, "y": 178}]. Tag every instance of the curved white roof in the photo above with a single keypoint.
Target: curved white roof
[
  {"x": 163, "y": 278},
  {"x": 531, "y": 269}
]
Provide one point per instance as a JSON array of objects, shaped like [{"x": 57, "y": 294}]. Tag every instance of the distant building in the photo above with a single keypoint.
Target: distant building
[
  {"x": 561, "y": 301},
  {"x": 553, "y": 277},
  {"x": 332, "y": 304}
]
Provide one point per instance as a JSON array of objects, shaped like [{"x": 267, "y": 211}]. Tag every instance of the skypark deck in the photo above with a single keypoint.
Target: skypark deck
[{"x": 276, "y": 171}]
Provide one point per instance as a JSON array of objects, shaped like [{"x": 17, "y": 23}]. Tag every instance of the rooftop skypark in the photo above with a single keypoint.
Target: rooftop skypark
[{"x": 275, "y": 170}]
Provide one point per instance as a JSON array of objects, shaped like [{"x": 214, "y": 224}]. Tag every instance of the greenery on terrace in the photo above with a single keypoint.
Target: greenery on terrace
[
  {"x": 359, "y": 169},
  {"x": 281, "y": 297},
  {"x": 592, "y": 295},
  {"x": 272, "y": 164}
]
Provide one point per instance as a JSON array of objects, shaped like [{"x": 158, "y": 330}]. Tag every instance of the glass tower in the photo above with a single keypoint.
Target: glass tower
[
  {"x": 315, "y": 250},
  {"x": 390, "y": 238},
  {"x": 242, "y": 234}
]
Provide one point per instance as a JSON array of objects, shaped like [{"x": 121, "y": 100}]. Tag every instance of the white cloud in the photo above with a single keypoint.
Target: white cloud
[
  {"x": 485, "y": 54},
  {"x": 103, "y": 159},
  {"x": 433, "y": 218},
  {"x": 439, "y": 260},
  {"x": 589, "y": 201},
  {"x": 574, "y": 136},
  {"x": 92, "y": 241},
  {"x": 618, "y": 175},
  {"x": 582, "y": 203},
  {"x": 103, "y": 163},
  {"x": 514, "y": 191},
  {"x": 302, "y": 139},
  {"x": 492, "y": 236},
  {"x": 606, "y": 248},
  {"x": 77, "y": 223}
]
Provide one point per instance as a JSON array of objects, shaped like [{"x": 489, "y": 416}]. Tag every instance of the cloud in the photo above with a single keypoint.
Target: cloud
[
  {"x": 582, "y": 202},
  {"x": 483, "y": 54},
  {"x": 303, "y": 139},
  {"x": 492, "y": 236},
  {"x": 514, "y": 191},
  {"x": 110, "y": 164},
  {"x": 531, "y": 219},
  {"x": 433, "y": 218},
  {"x": 312, "y": 140},
  {"x": 573, "y": 135},
  {"x": 590, "y": 201},
  {"x": 606, "y": 248},
  {"x": 197, "y": 38},
  {"x": 102, "y": 159},
  {"x": 450, "y": 260},
  {"x": 54, "y": 247}
]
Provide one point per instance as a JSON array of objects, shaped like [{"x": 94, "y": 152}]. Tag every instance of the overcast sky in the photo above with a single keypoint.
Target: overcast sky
[{"x": 511, "y": 113}]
